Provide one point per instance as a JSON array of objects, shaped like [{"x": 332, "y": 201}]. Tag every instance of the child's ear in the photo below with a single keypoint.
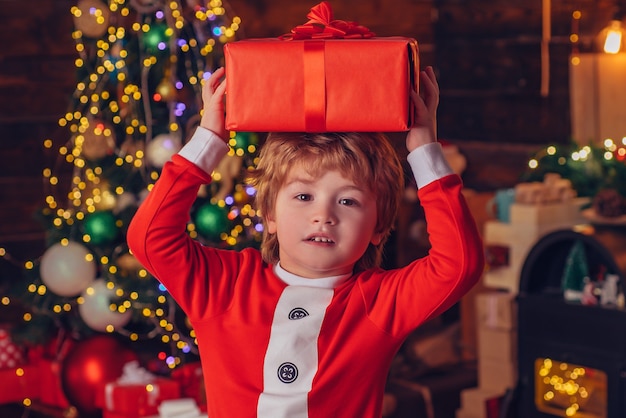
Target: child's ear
[
  {"x": 271, "y": 224},
  {"x": 377, "y": 238}
]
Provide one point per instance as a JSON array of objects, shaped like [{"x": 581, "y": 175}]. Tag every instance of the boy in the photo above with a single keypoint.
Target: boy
[{"x": 308, "y": 327}]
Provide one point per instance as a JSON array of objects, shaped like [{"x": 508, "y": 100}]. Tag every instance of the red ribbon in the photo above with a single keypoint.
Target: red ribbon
[
  {"x": 321, "y": 25},
  {"x": 314, "y": 86}
]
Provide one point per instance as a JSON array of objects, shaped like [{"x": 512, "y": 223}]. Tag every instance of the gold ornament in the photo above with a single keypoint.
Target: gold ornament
[
  {"x": 99, "y": 195},
  {"x": 91, "y": 17},
  {"x": 166, "y": 90},
  {"x": 128, "y": 263},
  {"x": 98, "y": 141}
]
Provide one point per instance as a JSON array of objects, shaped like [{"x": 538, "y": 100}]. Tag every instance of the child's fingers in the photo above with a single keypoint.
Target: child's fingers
[
  {"x": 220, "y": 89},
  {"x": 217, "y": 75},
  {"x": 417, "y": 101},
  {"x": 430, "y": 88},
  {"x": 211, "y": 83},
  {"x": 430, "y": 73}
]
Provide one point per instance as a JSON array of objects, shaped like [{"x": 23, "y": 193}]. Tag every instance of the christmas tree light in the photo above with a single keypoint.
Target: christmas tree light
[
  {"x": 590, "y": 168},
  {"x": 140, "y": 67}
]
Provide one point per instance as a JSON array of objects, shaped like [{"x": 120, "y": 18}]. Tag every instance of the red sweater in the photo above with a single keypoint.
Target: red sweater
[{"x": 293, "y": 347}]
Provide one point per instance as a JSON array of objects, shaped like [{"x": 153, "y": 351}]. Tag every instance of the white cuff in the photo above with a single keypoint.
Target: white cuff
[
  {"x": 205, "y": 149},
  {"x": 428, "y": 164}
]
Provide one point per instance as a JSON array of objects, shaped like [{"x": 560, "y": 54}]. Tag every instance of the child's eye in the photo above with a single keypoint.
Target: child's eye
[
  {"x": 348, "y": 202},
  {"x": 303, "y": 197}
]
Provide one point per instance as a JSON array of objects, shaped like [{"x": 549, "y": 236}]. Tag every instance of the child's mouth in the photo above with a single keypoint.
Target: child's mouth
[{"x": 321, "y": 239}]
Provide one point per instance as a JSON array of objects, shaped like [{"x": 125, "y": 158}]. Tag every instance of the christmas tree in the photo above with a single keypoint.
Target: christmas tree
[
  {"x": 139, "y": 71},
  {"x": 575, "y": 273},
  {"x": 591, "y": 168}
]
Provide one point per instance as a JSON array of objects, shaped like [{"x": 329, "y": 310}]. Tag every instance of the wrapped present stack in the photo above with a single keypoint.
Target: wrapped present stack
[
  {"x": 191, "y": 381},
  {"x": 49, "y": 377},
  {"x": 539, "y": 208},
  {"x": 180, "y": 408},
  {"x": 496, "y": 325},
  {"x": 137, "y": 393},
  {"x": 32, "y": 376},
  {"x": 19, "y": 380}
]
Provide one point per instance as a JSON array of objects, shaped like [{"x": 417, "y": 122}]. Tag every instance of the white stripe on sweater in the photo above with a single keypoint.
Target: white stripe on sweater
[{"x": 291, "y": 358}]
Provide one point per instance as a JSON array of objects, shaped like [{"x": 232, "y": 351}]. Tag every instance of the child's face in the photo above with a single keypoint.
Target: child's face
[{"x": 323, "y": 224}]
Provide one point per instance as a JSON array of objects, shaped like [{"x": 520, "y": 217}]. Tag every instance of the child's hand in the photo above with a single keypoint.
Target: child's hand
[
  {"x": 424, "y": 129},
  {"x": 213, "y": 92}
]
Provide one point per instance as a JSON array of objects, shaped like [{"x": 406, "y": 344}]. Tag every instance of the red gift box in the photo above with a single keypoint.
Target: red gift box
[
  {"x": 191, "y": 381},
  {"x": 18, "y": 384},
  {"x": 326, "y": 76},
  {"x": 11, "y": 355},
  {"x": 110, "y": 414},
  {"x": 49, "y": 373},
  {"x": 136, "y": 399}
]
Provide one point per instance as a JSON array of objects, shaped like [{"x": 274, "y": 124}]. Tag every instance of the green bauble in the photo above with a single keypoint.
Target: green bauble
[
  {"x": 101, "y": 227},
  {"x": 157, "y": 38},
  {"x": 212, "y": 221},
  {"x": 244, "y": 139}
]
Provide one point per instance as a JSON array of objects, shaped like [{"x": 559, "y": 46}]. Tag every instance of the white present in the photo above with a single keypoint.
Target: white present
[{"x": 180, "y": 408}]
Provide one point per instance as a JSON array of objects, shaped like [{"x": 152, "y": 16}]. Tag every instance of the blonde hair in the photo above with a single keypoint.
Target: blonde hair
[{"x": 367, "y": 158}]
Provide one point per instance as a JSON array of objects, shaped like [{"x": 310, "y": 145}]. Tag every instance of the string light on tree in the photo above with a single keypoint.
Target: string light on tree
[
  {"x": 140, "y": 66},
  {"x": 591, "y": 168}
]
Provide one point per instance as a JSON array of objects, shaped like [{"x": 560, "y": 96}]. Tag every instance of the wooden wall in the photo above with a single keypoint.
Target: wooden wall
[
  {"x": 487, "y": 54},
  {"x": 36, "y": 80}
]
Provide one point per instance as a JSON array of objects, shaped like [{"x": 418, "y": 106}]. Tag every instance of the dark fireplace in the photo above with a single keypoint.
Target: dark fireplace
[{"x": 572, "y": 353}]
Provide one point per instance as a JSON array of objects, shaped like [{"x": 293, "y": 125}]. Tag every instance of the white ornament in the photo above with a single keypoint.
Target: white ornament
[
  {"x": 610, "y": 290},
  {"x": 96, "y": 311},
  {"x": 67, "y": 270},
  {"x": 125, "y": 200},
  {"x": 161, "y": 149}
]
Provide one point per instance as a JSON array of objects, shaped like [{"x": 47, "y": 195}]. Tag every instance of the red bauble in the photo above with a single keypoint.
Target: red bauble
[{"x": 88, "y": 366}]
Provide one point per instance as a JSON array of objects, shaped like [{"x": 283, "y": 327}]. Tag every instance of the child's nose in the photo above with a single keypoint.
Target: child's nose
[{"x": 324, "y": 214}]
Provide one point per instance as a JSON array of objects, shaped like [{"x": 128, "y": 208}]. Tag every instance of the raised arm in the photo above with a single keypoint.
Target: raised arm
[
  {"x": 157, "y": 234},
  {"x": 430, "y": 285}
]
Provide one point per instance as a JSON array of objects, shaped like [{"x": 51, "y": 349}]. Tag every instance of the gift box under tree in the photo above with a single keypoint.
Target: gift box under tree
[
  {"x": 191, "y": 381},
  {"x": 136, "y": 393},
  {"x": 18, "y": 380}
]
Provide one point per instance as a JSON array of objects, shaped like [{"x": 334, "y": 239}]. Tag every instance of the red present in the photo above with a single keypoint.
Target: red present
[
  {"x": 191, "y": 381},
  {"x": 136, "y": 399},
  {"x": 19, "y": 383},
  {"x": 11, "y": 355},
  {"x": 50, "y": 383},
  {"x": 326, "y": 76},
  {"x": 111, "y": 414}
]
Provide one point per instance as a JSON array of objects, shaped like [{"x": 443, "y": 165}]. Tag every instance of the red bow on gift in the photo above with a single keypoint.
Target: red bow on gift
[{"x": 321, "y": 26}]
